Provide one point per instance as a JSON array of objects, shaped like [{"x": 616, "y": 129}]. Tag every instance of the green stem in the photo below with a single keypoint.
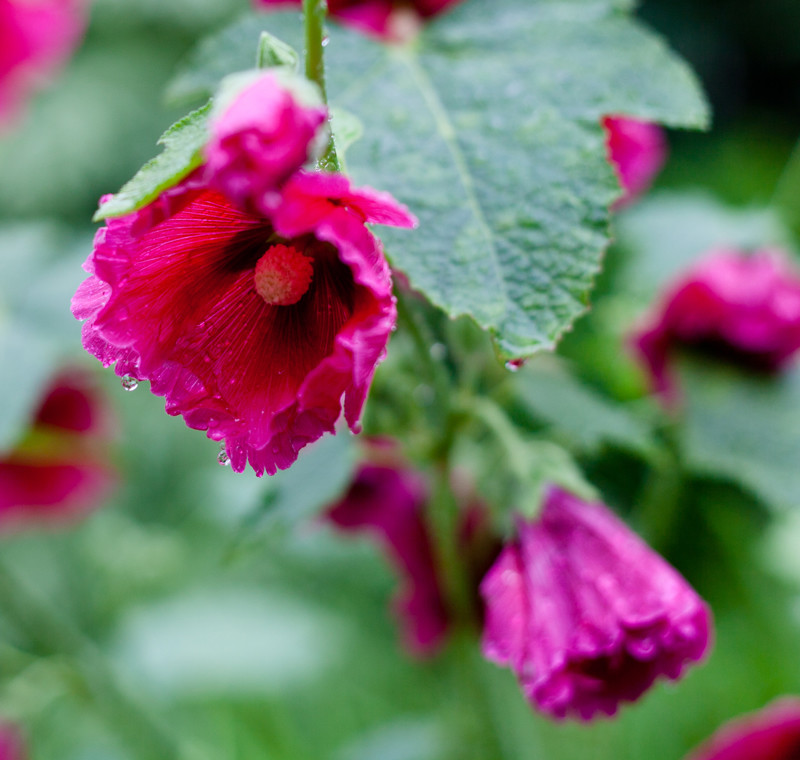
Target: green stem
[
  {"x": 661, "y": 497},
  {"x": 314, "y": 12},
  {"x": 55, "y": 636}
]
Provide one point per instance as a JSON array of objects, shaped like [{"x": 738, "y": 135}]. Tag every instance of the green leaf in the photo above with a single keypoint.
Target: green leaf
[
  {"x": 273, "y": 52},
  {"x": 582, "y": 415},
  {"x": 183, "y": 143},
  {"x": 744, "y": 428},
  {"x": 487, "y": 127}
]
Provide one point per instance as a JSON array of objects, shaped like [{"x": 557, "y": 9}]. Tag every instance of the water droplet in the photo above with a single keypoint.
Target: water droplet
[
  {"x": 515, "y": 365},
  {"x": 223, "y": 457},
  {"x": 325, "y": 41},
  {"x": 129, "y": 383},
  {"x": 394, "y": 328}
]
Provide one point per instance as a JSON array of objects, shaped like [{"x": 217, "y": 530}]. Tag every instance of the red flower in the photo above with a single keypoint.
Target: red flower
[
  {"x": 59, "y": 469},
  {"x": 586, "y": 614},
  {"x": 770, "y": 734},
  {"x": 394, "y": 20},
  {"x": 742, "y": 308},
  {"x": 36, "y": 36},
  {"x": 11, "y": 744},
  {"x": 638, "y": 150},
  {"x": 253, "y": 327}
]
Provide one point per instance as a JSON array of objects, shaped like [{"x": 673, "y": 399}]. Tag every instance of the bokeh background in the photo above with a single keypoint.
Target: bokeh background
[{"x": 203, "y": 614}]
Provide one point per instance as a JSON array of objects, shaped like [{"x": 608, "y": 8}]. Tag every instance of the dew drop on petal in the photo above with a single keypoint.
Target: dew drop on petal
[
  {"x": 223, "y": 457},
  {"x": 129, "y": 383}
]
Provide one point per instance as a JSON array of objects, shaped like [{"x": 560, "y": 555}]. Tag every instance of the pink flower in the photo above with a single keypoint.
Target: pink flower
[
  {"x": 36, "y": 37},
  {"x": 11, "y": 745},
  {"x": 253, "y": 327},
  {"x": 743, "y": 308},
  {"x": 638, "y": 150},
  {"x": 391, "y": 20},
  {"x": 586, "y": 614},
  {"x": 59, "y": 469},
  {"x": 389, "y": 502},
  {"x": 770, "y": 734},
  {"x": 259, "y": 141}
]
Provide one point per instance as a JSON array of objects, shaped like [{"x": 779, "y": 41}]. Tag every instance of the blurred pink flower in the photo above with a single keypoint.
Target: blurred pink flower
[
  {"x": 586, "y": 614},
  {"x": 60, "y": 468},
  {"x": 769, "y": 734},
  {"x": 391, "y": 20},
  {"x": 253, "y": 327},
  {"x": 637, "y": 149},
  {"x": 11, "y": 744},
  {"x": 36, "y": 37},
  {"x": 744, "y": 308},
  {"x": 259, "y": 141}
]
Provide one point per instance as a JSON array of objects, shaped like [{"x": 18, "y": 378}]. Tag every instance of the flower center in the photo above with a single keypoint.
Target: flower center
[{"x": 283, "y": 275}]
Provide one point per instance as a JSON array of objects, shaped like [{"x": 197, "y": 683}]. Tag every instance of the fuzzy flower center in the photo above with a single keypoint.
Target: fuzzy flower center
[{"x": 283, "y": 275}]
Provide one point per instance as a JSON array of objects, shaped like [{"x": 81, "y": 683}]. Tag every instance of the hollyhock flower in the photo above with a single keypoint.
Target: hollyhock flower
[
  {"x": 252, "y": 326},
  {"x": 391, "y": 20},
  {"x": 388, "y": 500},
  {"x": 744, "y": 308},
  {"x": 637, "y": 149},
  {"x": 770, "y": 734},
  {"x": 258, "y": 141},
  {"x": 585, "y": 613},
  {"x": 36, "y": 37},
  {"x": 59, "y": 469}
]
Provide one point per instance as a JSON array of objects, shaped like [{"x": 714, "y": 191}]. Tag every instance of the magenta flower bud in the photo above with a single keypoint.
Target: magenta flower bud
[
  {"x": 254, "y": 327},
  {"x": 59, "y": 469},
  {"x": 388, "y": 502},
  {"x": 638, "y": 150},
  {"x": 390, "y": 20},
  {"x": 586, "y": 614},
  {"x": 36, "y": 37},
  {"x": 744, "y": 308},
  {"x": 769, "y": 734},
  {"x": 260, "y": 140}
]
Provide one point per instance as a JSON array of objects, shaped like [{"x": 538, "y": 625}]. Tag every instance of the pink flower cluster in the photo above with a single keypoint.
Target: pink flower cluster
[
  {"x": 251, "y": 295},
  {"x": 36, "y": 37},
  {"x": 59, "y": 469},
  {"x": 586, "y": 614},
  {"x": 743, "y": 308},
  {"x": 391, "y": 20}
]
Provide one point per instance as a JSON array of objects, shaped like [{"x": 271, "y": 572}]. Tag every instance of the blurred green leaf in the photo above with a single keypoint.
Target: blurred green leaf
[
  {"x": 581, "y": 414},
  {"x": 39, "y": 272},
  {"x": 745, "y": 428},
  {"x": 183, "y": 143}
]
